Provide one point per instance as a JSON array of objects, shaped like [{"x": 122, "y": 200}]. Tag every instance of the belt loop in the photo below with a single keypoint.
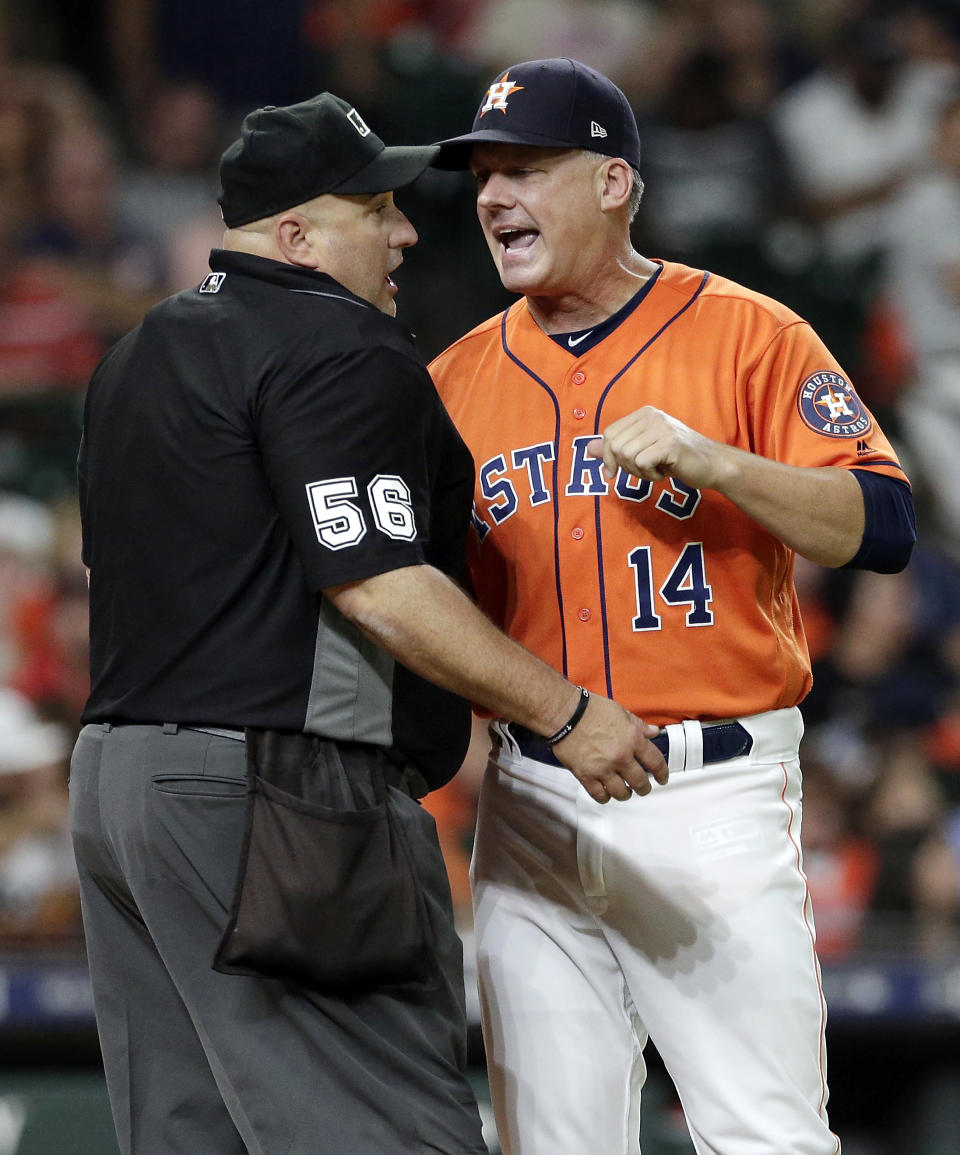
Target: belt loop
[
  {"x": 503, "y": 731},
  {"x": 693, "y": 732},
  {"x": 677, "y": 757},
  {"x": 171, "y": 727}
]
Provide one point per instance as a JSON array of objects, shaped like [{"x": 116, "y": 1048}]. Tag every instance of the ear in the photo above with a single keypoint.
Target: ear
[
  {"x": 290, "y": 234},
  {"x": 616, "y": 183}
]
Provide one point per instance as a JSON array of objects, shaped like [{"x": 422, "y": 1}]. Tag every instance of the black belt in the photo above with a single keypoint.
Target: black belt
[
  {"x": 721, "y": 742},
  {"x": 216, "y": 731}
]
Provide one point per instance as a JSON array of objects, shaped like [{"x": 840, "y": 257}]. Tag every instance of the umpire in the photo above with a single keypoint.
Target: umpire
[{"x": 274, "y": 511}]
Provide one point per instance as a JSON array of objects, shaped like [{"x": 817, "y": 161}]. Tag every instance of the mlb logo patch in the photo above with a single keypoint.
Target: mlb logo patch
[{"x": 211, "y": 282}]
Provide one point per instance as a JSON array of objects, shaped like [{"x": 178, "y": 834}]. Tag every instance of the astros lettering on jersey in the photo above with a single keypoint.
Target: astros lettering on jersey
[{"x": 661, "y": 596}]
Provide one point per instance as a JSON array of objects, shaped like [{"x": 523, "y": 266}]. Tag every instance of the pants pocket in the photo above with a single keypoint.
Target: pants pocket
[{"x": 201, "y": 786}]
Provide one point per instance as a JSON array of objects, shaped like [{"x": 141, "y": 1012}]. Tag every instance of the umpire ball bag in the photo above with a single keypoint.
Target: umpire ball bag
[{"x": 326, "y": 893}]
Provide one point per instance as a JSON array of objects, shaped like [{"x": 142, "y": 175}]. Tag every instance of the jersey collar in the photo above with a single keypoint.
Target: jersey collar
[
  {"x": 674, "y": 291},
  {"x": 580, "y": 340},
  {"x": 291, "y": 277}
]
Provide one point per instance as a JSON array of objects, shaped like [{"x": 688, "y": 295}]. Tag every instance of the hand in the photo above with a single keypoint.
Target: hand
[
  {"x": 653, "y": 445},
  {"x": 610, "y": 754}
]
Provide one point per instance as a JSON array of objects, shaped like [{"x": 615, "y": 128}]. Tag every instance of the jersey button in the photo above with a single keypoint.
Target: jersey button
[
  {"x": 578, "y": 378},
  {"x": 579, "y": 413},
  {"x": 584, "y": 615},
  {"x": 576, "y": 533}
]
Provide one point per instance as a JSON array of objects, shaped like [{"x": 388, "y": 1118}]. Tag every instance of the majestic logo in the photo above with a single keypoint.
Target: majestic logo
[
  {"x": 829, "y": 405},
  {"x": 864, "y": 450},
  {"x": 358, "y": 122},
  {"x": 211, "y": 282},
  {"x": 497, "y": 94},
  {"x": 597, "y": 129}
]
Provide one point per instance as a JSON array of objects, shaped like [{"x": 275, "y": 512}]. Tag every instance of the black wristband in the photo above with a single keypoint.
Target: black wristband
[{"x": 573, "y": 719}]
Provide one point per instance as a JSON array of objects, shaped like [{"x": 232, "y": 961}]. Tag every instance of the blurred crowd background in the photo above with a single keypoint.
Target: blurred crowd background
[{"x": 808, "y": 148}]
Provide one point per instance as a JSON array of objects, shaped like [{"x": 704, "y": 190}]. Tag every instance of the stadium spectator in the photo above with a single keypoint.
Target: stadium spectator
[
  {"x": 79, "y": 240},
  {"x": 50, "y": 628},
  {"x": 855, "y": 129},
  {"x": 26, "y": 543},
  {"x": 47, "y": 336},
  {"x": 169, "y": 189},
  {"x": 839, "y": 861},
  {"x": 916, "y": 898},
  {"x": 715, "y": 177},
  {"x": 39, "y": 894},
  {"x": 923, "y": 282},
  {"x": 610, "y": 35}
]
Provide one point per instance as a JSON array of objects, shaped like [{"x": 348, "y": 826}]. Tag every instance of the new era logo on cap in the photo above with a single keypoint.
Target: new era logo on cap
[{"x": 557, "y": 103}]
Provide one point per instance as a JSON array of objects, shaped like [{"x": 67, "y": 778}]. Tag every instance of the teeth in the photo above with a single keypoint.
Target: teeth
[{"x": 522, "y": 238}]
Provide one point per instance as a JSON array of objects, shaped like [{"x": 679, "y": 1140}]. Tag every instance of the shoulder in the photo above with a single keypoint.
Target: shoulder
[{"x": 728, "y": 302}]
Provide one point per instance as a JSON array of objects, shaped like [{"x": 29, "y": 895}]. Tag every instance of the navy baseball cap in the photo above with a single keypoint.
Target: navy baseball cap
[
  {"x": 286, "y": 156},
  {"x": 557, "y": 103}
]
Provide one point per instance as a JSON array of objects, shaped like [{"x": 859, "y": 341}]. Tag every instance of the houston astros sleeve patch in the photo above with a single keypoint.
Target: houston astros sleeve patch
[{"x": 829, "y": 404}]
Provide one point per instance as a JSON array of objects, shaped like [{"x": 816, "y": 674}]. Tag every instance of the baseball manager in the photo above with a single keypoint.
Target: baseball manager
[{"x": 654, "y": 444}]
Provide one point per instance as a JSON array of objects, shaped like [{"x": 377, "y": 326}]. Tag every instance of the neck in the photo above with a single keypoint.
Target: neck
[
  {"x": 593, "y": 302},
  {"x": 254, "y": 240}
]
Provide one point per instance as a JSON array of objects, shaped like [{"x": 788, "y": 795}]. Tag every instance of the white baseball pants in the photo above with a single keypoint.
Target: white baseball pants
[{"x": 683, "y": 916}]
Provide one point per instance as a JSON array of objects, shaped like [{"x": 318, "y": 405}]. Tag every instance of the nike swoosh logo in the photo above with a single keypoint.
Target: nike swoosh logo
[{"x": 572, "y": 341}]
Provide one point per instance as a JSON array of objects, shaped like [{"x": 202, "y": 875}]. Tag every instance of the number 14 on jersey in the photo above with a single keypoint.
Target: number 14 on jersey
[{"x": 685, "y": 585}]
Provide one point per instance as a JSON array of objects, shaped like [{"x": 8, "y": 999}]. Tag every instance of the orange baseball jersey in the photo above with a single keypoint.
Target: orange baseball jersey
[{"x": 667, "y": 598}]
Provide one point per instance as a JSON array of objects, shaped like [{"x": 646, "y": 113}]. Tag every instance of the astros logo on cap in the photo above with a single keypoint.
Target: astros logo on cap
[
  {"x": 829, "y": 405},
  {"x": 498, "y": 92}
]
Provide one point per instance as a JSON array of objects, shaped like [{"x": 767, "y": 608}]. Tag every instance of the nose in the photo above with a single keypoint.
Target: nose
[
  {"x": 493, "y": 192},
  {"x": 404, "y": 234}
]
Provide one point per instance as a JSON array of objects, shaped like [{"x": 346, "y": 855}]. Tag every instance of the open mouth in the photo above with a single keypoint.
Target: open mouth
[{"x": 517, "y": 240}]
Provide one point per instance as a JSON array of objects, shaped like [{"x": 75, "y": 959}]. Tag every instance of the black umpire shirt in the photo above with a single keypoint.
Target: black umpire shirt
[{"x": 257, "y": 439}]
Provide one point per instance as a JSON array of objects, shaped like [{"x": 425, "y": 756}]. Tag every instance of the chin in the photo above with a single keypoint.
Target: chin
[
  {"x": 515, "y": 282},
  {"x": 523, "y": 278}
]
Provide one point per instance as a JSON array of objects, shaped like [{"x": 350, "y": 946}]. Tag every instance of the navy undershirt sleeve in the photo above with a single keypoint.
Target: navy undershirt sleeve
[{"x": 890, "y": 529}]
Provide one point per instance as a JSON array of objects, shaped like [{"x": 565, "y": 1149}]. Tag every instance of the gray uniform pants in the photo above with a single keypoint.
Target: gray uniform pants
[{"x": 202, "y": 1063}]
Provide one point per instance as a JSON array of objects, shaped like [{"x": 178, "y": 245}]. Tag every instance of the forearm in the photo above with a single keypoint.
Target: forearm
[
  {"x": 429, "y": 624},
  {"x": 819, "y": 513}
]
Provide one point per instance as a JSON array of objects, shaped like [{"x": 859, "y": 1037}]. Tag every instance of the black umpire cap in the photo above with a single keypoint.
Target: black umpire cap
[
  {"x": 558, "y": 103},
  {"x": 286, "y": 156}
]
